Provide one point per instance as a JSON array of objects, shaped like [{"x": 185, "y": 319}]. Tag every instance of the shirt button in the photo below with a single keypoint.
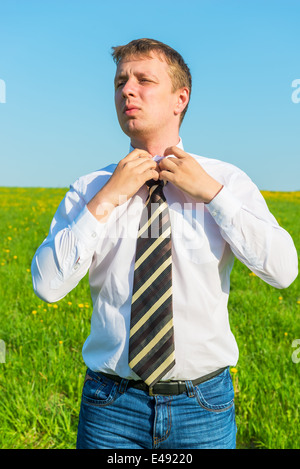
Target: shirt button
[
  {"x": 94, "y": 234},
  {"x": 214, "y": 213}
]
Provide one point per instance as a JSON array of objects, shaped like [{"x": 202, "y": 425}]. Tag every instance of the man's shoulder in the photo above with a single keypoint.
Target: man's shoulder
[
  {"x": 89, "y": 184},
  {"x": 208, "y": 161},
  {"x": 218, "y": 168}
]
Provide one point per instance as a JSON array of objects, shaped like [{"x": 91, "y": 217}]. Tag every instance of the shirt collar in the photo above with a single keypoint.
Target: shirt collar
[{"x": 159, "y": 157}]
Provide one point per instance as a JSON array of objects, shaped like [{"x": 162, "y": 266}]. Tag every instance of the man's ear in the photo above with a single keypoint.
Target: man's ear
[{"x": 183, "y": 96}]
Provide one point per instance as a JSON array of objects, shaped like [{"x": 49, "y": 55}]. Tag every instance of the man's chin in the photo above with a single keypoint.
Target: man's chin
[{"x": 133, "y": 130}]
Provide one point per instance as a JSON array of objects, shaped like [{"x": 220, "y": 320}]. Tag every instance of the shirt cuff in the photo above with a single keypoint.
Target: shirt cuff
[
  {"x": 87, "y": 229},
  {"x": 223, "y": 207}
]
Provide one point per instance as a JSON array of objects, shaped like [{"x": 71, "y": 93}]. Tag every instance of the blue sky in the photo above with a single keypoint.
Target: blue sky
[{"x": 58, "y": 120}]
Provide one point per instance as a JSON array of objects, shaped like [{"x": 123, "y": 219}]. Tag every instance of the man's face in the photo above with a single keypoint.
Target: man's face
[{"x": 144, "y": 99}]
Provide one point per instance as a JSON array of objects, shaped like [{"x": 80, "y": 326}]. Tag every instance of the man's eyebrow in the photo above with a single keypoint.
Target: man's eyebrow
[
  {"x": 147, "y": 74},
  {"x": 123, "y": 75},
  {"x": 120, "y": 75}
]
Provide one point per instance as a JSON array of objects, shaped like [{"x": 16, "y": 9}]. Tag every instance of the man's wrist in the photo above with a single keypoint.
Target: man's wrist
[
  {"x": 217, "y": 189},
  {"x": 102, "y": 205}
]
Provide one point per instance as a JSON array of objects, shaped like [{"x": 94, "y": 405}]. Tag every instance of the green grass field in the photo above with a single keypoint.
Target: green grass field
[{"x": 42, "y": 371}]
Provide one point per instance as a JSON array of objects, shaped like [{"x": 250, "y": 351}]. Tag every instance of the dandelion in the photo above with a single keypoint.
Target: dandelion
[
  {"x": 280, "y": 298},
  {"x": 34, "y": 311},
  {"x": 285, "y": 334},
  {"x": 9, "y": 238},
  {"x": 235, "y": 380},
  {"x": 252, "y": 274},
  {"x": 80, "y": 305},
  {"x": 55, "y": 306},
  {"x": 60, "y": 342},
  {"x": 69, "y": 302},
  {"x": 15, "y": 257}
]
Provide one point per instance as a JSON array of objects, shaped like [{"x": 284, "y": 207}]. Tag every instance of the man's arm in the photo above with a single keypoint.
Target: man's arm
[
  {"x": 66, "y": 254},
  {"x": 242, "y": 215}
]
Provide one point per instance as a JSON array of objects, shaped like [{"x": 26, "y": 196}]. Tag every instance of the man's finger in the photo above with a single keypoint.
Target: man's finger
[
  {"x": 132, "y": 163},
  {"x": 136, "y": 153},
  {"x": 169, "y": 164},
  {"x": 151, "y": 174},
  {"x": 178, "y": 152},
  {"x": 166, "y": 175},
  {"x": 142, "y": 165}
]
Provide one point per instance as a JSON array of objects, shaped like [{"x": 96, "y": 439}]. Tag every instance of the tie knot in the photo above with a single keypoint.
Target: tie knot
[{"x": 152, "y": 183}]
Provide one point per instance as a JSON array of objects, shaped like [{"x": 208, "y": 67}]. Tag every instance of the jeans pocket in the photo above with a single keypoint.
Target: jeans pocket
[
  {"x": 216, "y": 394},
  {"x": 97, "y": 390}
]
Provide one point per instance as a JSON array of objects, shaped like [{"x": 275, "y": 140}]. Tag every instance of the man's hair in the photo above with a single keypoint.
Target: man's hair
[{"x": 178, "y": 70}]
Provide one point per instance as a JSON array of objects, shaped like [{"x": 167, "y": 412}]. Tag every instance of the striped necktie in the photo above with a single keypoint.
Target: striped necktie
[{"x": 151, "y": 343}]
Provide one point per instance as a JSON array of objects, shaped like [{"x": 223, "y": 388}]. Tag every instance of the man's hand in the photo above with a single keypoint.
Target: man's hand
[
  {"x": 130, "y": 174},
  {"x": 188, "y": 175}
]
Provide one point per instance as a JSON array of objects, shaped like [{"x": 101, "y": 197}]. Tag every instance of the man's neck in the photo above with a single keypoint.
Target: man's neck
[{"x": 155, "y": 147}]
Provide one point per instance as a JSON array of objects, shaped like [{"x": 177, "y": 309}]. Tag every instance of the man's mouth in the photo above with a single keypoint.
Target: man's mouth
[{"x": 130, "y": 110}]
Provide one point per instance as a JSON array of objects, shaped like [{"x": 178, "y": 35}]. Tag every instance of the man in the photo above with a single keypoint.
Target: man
[{"x": 158, "y": 353}]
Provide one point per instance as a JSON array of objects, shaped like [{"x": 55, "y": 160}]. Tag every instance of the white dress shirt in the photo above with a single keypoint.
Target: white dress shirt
[{"x": 206, "y": 239}]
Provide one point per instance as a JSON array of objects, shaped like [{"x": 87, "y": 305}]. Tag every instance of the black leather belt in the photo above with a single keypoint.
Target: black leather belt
[{"x": 164, "y": 388}]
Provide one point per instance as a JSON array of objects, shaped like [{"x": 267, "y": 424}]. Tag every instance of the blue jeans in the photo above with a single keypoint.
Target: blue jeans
[{"x": 114, "y": 416}]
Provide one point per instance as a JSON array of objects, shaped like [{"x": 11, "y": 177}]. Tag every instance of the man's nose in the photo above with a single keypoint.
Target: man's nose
[{"x": 129, "y": 89}]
